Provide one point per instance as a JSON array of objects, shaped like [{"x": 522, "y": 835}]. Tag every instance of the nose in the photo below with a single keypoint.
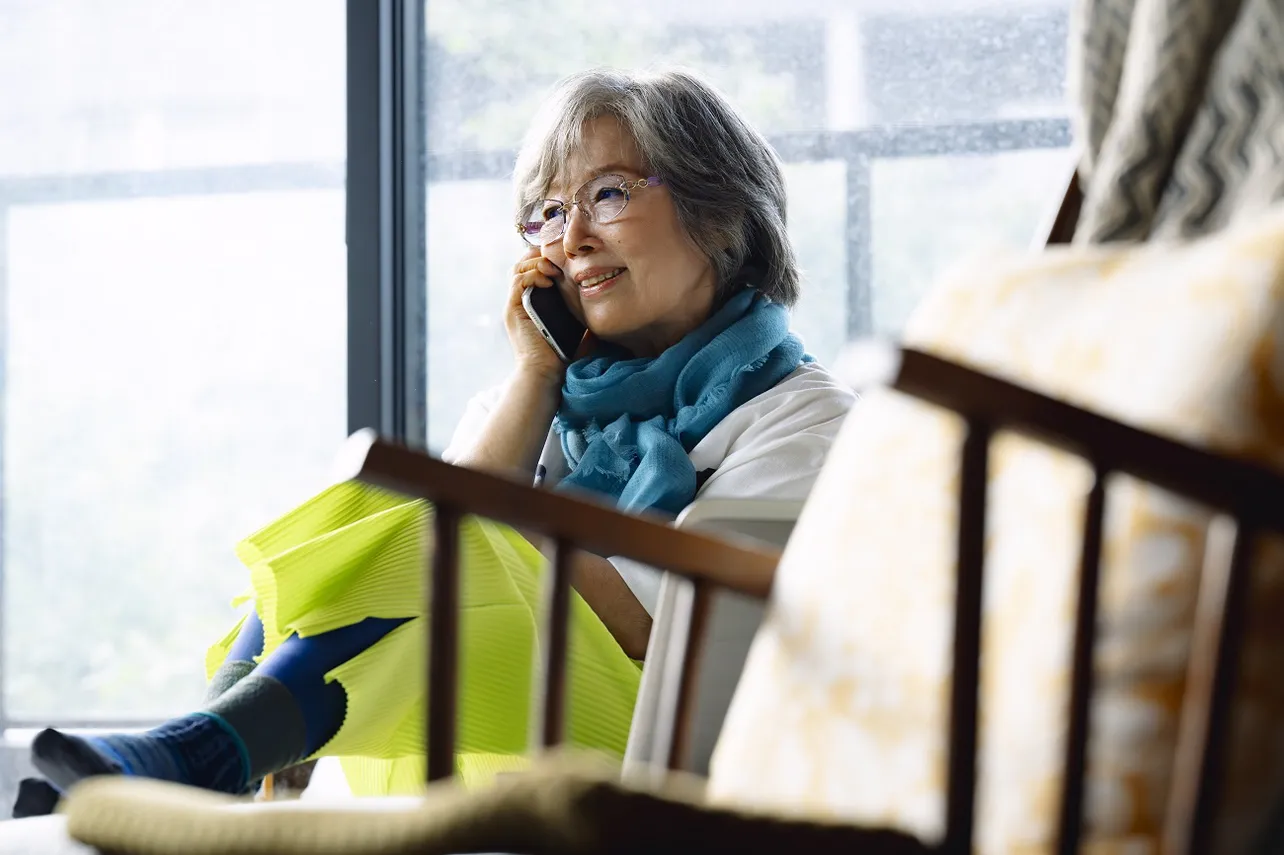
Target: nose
[{"x": 579, "y": 237}]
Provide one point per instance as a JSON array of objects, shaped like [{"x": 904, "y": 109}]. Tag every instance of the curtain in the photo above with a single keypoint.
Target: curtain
[{"x": 1180, "y": 111}]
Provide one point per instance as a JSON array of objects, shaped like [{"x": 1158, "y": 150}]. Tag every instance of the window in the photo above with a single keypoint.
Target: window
[
  {"x": 173, "y": 274},
  {"x": 911, "y": 133},
  {"x": 186, "y": 340}
]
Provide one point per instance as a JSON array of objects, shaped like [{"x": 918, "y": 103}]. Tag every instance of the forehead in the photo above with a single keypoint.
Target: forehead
[{"x": 604, "y": 147}]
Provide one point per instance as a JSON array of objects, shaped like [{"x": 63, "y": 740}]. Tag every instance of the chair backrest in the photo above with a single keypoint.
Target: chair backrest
[
  {"x": 733, "y": 621},
  {"x": 1249, "y": 495}
]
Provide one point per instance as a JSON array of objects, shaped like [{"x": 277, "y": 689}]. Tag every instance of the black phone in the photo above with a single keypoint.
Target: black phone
[{"x": 554, "y": 320}]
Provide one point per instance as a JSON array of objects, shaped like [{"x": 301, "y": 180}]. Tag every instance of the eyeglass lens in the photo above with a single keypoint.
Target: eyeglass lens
[{"x": 601, "y": 199}]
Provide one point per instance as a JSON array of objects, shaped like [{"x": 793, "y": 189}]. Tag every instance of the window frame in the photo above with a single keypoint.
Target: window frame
[
  {"x": 386, "y": 217},
  {"x": 386, "y": 176}
]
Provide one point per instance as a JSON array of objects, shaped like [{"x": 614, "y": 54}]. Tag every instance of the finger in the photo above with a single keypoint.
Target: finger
[
  {"x": 543, "y": 265},
  {"x": 540, "y": 265},
  {"x": 529, "y": 255},
  {"x": 535, "y": 277},
  {"x": 532, "y": 259},
  {"x": 528, "y": 259},
  {"x": 530, "y": 279}
]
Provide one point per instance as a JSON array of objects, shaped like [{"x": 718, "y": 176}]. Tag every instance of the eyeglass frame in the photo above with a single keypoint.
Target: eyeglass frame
[{"x": 627, "y": 186}]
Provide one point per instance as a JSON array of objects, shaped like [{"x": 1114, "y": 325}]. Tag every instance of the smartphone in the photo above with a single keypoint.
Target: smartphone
[{"x": 554, "y": 320}]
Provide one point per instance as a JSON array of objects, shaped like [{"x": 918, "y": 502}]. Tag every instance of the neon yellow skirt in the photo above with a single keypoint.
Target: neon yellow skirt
[{"x": 354, "y": 552}]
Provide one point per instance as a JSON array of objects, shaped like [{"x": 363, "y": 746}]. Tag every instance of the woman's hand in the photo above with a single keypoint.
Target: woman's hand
[
  {"x": 533, "y": 356},
  {"x": 514, "y": 432}
]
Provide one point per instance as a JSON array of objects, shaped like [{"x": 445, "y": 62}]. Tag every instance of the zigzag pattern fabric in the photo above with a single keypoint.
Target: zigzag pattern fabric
[
  {"x": 1181, "y": 114},
  {"x": 1233, "y": 161}
]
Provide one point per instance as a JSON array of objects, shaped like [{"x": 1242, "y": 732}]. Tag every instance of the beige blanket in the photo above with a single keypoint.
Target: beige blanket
[{"x": 565, "y": 805}]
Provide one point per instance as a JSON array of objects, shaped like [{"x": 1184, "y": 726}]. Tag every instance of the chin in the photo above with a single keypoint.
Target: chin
[{"x": 609, "y": 325}]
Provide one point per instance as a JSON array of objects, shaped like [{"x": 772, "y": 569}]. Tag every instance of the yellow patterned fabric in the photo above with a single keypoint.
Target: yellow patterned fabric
[
  {"x": 355, "y": 552},
  {"x": 842, "y": 708}
]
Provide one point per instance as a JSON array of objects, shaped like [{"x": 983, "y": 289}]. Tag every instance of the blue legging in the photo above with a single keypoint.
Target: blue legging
[{"x": 301, "y": 664}]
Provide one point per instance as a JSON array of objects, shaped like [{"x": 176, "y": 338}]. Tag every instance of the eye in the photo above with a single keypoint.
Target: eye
[
  {"x": 550, "y": 211},
  {"x": 607, "y": 193}
]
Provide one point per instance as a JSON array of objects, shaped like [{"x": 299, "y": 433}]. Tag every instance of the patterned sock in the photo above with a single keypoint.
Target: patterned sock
[
  {"x": 199, "y": 749},
  {"x": 38, "y": 797},
  {"x": 269, "y": 719}
]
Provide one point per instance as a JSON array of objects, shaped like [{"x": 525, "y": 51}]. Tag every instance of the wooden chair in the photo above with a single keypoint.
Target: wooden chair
[
  {"x": 1059, "y": 229},
  {"x": 1249, "y": 495}
]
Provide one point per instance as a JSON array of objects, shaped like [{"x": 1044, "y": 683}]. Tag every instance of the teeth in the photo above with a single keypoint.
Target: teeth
[{"x": 589, "y": 283}]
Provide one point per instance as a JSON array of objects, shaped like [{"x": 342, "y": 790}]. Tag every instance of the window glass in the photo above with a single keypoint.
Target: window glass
[
  {"x": 174, "y": 286},
  {"x": 911, "y": 132}
]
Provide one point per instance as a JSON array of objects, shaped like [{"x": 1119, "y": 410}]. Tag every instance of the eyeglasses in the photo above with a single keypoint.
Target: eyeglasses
[{"x": 601, "y": 200}]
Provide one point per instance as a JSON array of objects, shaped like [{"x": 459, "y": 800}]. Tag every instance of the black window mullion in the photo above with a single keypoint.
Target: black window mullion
[
  {"x": 4, "y": 492},
  {"x": 412, "y": 185},
  {"x": 385, "y": 219}
]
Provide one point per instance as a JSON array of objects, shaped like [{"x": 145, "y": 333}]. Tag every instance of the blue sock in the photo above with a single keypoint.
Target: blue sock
[
  {"x": 281, "y": 712},
  {"x": 200, "y": 747}
]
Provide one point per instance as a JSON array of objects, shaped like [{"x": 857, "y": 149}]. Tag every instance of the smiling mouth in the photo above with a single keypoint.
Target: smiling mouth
[
  {"x": 598, "y": 284},
  {"x": 602, "y": 279}
]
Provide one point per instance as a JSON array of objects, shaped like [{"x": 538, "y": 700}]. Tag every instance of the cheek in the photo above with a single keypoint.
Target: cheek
[
  {"x": 674, "y": 271},
  {"x": 662, "y": 261},
  {"x": 553, "y": 252},
  {"x": 681, "y": 260}
]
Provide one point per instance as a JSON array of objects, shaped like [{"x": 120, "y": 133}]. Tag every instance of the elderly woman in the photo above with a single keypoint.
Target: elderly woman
[{"x": 658, "y": 213}]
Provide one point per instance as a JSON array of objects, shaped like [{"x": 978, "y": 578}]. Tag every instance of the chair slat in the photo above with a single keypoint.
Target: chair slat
[
  {"x": 693, "y": 638},
  {"x": 691, "y": 605},
  {"x": 1210, "y": 688},
  {"x": 443, "y": 643},
  {"x": 961, "y": 793},
  {"x": 556, "y": 631},
  {"x": 1070, "y": 829}
]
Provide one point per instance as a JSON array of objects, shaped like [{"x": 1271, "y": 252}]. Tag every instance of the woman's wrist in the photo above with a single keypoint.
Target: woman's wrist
[
  {"x": 539, "y": 380},
  {"x": 515, "y": 431}
]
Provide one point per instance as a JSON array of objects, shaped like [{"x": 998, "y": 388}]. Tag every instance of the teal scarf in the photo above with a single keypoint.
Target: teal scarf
[{"x": 627, "y": 425}]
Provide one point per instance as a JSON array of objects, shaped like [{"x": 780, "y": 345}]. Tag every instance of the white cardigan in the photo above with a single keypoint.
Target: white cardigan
[{"x": 769, "y": 447}]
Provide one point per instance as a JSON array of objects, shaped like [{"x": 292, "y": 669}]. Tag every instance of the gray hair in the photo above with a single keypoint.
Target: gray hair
[{"x": 724, "y": 178}]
